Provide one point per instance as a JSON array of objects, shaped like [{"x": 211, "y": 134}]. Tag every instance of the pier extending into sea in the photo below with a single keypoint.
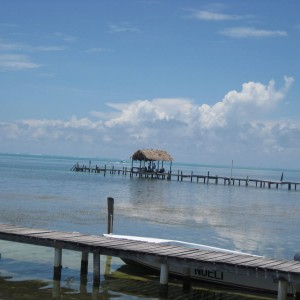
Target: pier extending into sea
[
  {"x": 192, "y": 177},
  {"x": 283, "y": 271},
  {"x": 286, "y": 273}
]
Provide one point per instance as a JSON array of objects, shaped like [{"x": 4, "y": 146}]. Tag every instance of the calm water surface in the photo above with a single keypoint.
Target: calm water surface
[{"x": 41, "y": 191}]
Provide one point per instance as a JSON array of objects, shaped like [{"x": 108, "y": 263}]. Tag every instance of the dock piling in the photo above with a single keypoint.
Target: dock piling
[
  {"x": 110, "y": 211},
  {"x": 96, "y": 268},
  {"x": 57, "y": 264},
  {"x": 84, "y": 263},
  {"x": 282, "y": 290},
  {"x": 164, "y": 279}
]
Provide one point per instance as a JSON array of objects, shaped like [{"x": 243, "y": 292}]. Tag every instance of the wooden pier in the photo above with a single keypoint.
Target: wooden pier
[
  {"x": 180, "y": 176},
  {"x": 284, "y": 272}
]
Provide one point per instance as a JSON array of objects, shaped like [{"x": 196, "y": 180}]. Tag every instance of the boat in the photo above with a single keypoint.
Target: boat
[{"x": 218, "y": 276}]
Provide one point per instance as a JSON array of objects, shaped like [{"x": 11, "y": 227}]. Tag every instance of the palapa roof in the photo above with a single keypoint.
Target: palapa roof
[{"x": 151, "y": 155}]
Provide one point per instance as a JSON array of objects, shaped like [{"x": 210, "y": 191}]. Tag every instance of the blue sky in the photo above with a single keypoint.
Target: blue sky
[{"x": 208, "y": 81}]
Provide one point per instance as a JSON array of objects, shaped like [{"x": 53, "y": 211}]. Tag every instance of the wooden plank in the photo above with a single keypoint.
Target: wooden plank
[
  {"x": 270, "y": 265},
  {"x": 202, "y": 255},
  {"x": 290, "y": 265},
  {"x": 54, "y": 235},
  {"x": 241, "y": 260}
]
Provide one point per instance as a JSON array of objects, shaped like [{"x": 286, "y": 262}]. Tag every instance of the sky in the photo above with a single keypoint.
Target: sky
[{"x": 207, "y": 81}]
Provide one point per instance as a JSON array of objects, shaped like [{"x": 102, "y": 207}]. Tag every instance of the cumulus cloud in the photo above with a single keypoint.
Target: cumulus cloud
[{"x": 237, "y": 124}]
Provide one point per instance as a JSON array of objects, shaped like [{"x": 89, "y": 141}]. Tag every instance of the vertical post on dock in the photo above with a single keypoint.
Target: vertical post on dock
[
  {"x": 164, "y": 278},
  {"x": 57, "y": 264},
  {"x": 282, "y": 289},
  {"x": 231, "y": 171},
  {"x": 96, "y": 268},
  {"x": 84, "y": 263},
  {"x": 186, "y": 279},
  {"x": 110, "y": 212}
]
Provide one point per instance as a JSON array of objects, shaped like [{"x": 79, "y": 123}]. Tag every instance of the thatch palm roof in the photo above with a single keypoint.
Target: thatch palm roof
[{"x": 151, "y": 155}]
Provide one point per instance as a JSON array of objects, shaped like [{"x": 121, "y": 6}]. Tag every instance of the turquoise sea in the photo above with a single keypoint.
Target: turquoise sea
[{"x": 40, "y": 191}]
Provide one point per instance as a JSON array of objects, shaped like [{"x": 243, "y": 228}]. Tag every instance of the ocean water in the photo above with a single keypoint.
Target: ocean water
[{"x": 40, "y": 191}]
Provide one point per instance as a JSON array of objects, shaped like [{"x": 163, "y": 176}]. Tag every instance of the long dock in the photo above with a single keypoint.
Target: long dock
[
  {"x": 284, "y": 273},
  {"x": 180, "y": 176}
]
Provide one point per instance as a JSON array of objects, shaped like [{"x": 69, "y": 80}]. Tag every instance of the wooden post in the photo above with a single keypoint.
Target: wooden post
[
  {"x": 208, "y": 177},
  {"x": 56, "y": 289},
  {"x": 57, "y": 264},
  {"x": 96, "y": 268},
  {"x": 282, "y": 290},
  {"x": 186, "y": 279},
  {"x": 164, "y": 278},
  {"x": 84, "y": 263},
  {"x": 110, "y": 212},
  {"x": 192, "y": 176}
]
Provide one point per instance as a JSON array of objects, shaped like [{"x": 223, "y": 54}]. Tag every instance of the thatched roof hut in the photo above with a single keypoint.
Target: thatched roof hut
[{"x": 151, "y": 155}]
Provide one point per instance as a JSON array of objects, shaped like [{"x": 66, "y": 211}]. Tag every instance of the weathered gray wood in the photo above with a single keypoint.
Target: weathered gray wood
[
  {"x": 96, "y": 268},
  {"x": 164, "y": 254},
  {"x": 84, "y": 263}
]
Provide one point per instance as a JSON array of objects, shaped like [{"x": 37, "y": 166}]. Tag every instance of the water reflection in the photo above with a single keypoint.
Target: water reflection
[{"x": 125, "y": 282}]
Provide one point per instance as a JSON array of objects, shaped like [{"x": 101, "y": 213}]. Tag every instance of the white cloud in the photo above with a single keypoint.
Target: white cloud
[
  {"x": 16, "y": 62},
  {"x": 98, "y": 50},
  {"x": 246, "y": 32},
  {"x": 237, "y": 106},
  {"x": 238, "y": 125},
  {"x": 65, "y": 37},
  {"x": 121, "y": 28},
  {"x": 8, "y": 46},
  {"x": 206, "y": 15}
]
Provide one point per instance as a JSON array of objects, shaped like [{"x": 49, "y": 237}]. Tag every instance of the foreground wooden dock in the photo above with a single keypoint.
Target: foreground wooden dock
[
  {"x": 284, "y": 272},
  {"x": 180, "y": 176}
]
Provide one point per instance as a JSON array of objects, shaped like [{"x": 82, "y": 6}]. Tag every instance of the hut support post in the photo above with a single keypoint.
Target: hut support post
[
  {"x": 282, "y": 290},
  {"x": 57, "y": 264},
  {"x": 170, "y": 176}
]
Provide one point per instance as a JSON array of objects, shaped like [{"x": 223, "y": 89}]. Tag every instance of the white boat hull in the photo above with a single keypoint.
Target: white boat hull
[{"x": 251, "y": 280}]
